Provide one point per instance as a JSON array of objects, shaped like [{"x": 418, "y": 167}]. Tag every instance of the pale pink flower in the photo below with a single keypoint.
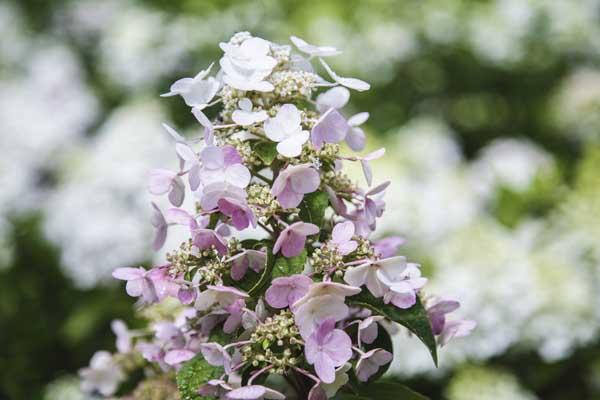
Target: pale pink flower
[
  {"x": 293, "y": 183},
  {"x": 292, "y": 239},
  {"x": 327, "y": 348}
]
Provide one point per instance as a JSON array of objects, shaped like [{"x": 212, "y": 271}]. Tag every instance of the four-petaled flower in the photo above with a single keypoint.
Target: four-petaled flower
[
  {"x": 286, "y": 129},
  {"x": 341, "y": 238},
  {"x": 293, "y": 183},
  {"x": 328, "y": 348},
  {"x": 292, "y": 239},
  {"x": 286, "y": 290},
  {"x": 370, "y": 362}
]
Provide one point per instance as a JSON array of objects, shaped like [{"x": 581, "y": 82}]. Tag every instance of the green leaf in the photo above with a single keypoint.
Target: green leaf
[
  {"x": 266, "y": 151},
  {"x": 383, "y": 341},
  {"x": 265, "y": 276},
  {"x": 312, "y": 208},
  {"x": 414, "y": 319},
  {"x": 194, "y": 374},
  {"x": 289, "y": 266},
  {"x": 348, "y": 396},
  {"x": 389, "y": 391}
]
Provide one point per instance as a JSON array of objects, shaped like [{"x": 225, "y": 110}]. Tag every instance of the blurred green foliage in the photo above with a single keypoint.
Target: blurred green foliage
[{"x": 49, "y": 328}]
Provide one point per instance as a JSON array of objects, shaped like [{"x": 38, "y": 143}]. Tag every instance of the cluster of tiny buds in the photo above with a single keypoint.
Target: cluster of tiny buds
[
  {"x": 293, "y": 84},
  {"x": 239, "y": 37},
  {"x": 261, "y": 201},
  {"x": 326, "y": 260},
  {"x": 156, "y": 388},
  {"x": 282, "y": 54},
  {"x": 364, "y": 249},
  {"x": 243, "y": 147},
  {"x": 276, "y": 342},
  {"x": 186, "y": 257},
  {"x": 189, "y": 258},
  {"x": 338, "y": 181}
]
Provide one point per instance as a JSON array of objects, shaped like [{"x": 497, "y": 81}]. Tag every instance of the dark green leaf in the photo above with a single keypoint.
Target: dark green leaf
[
  {"x": 289, "y": 266},
  {"x": 383, "y": 341},
  {"x": 389, "y": 391},
  {"x": 194, "y": 374},
  {"x": 266, "y": 151},
  {"x": 265, "y": 276},
  {"x": 347, "y": 396},
  {"x": 312, "y": 208},
  {"x": 414, "y": 319},
  {"x": 252, "y": 278}
]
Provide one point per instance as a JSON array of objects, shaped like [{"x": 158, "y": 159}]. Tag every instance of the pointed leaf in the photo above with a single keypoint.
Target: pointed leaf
[
  {"x": 313, "y": 206},
  {"x": 194, "y": 374},
  {"x": 289, "y": 266},
  {"x": 390, "y": 391},
  {"x": 414, "y": 319},
  {"x": 266, "y": 151}
]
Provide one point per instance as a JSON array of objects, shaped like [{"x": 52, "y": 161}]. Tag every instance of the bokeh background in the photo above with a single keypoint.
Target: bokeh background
[{"x": 490, "y": 111}]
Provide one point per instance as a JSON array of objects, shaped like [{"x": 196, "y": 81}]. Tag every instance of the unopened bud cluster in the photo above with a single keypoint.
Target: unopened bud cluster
[
  {"x": 327, "y": 260},
  {"x": 190, "y": 260},
  {"x": 276, "y": 342},
  {"x": 262, "y": 202}
]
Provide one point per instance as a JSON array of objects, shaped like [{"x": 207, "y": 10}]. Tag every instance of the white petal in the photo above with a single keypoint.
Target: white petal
[
  {"x": 237, "y": 175},
  {"x": 358, "y": 119},
  {"x": 336, "y": 97}
]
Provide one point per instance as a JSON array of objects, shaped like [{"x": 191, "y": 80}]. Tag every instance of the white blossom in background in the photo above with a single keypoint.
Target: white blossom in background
[
  {"x": 432, "y": 193},
  {"x": 94, "y": 214},
  {"x": 484, "y": 383},
  {"x": 575, "y": 107},
  {"x": 533, "y": 286},
  {"x": 45, "y": 108},
  {"x": 509, "y": 163}
]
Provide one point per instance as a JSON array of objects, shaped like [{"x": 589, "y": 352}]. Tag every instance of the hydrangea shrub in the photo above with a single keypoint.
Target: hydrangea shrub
[{"x": 278, "y": 292}]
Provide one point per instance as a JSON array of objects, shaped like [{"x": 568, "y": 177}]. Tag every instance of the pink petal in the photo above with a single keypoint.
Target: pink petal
[
  {"x": 293, "y": 244},
  {"x": 342, "y": 232},
  {"x": 305, "y": 180},
  {"x": 160, "y": 181},
  {"x": 175, "y": 357},
  {"x": 356, "y": 139},
  {"x": 288, "y": 198},
  {"x": 304, "y": 228}
]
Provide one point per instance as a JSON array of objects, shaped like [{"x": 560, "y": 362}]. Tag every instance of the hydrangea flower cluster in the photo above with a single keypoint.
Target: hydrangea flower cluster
[{"x": 278, "y": 292}]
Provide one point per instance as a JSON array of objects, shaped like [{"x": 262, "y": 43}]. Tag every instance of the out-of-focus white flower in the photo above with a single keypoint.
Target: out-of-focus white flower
[
  {"x": 94, "y": 215},
  {"x": 575, "y": 106},
  {"x": 66, "y": 388},
  {"x": 103, "y": 375},
  {"x": 510, "y": 163},
  {"x": 50, "y": 85},
  {"x": 481, "y": 383}
]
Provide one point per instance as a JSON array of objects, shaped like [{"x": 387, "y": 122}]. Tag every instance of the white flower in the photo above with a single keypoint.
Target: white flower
[
  {"x": 245, "y": 116},
  {"x": 351, "y": 83},
  {"x": 247, "y": 65},
  {"x": 286, "y": 129},
  {"x": 103, "y": 374},
  {"x": 336, "y": 97},
  {"x": 312, "y": 50},
  {"x": 196, "y": 91}
]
